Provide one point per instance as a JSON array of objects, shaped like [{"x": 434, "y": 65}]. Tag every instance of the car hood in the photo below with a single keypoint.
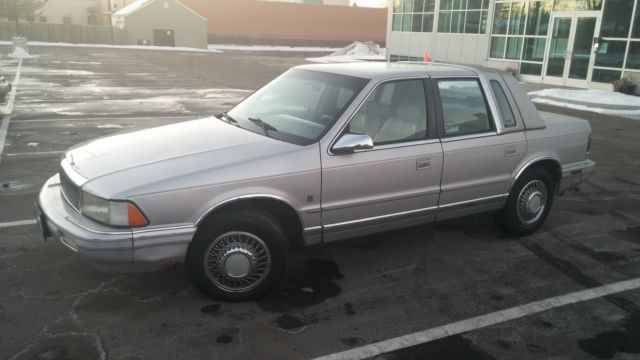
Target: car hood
[{"x": 116, "y": 153}]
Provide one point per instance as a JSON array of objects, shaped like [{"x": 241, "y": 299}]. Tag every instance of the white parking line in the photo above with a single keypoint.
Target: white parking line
[
  {"x": 4, "y": 127},
  {"x": 482, "y": 321},
  {"x": 17, "y": 223},
  {"x": 36, "y": 153}
]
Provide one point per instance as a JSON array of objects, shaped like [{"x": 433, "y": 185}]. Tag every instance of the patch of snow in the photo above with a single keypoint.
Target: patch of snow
[
  {"x": 20, "y": 53},
  {"x": 131, "y": 8},
  {"x": 356, "y": 51},
  {"x": 33, "y": 144},
  {"x": 596, "y": 97},
  {"x": 106, "y": 46},
  {"x": 110, "y": 126},
  {"x": 270, "y": 48},
  {"x": 632, "y": 114}
]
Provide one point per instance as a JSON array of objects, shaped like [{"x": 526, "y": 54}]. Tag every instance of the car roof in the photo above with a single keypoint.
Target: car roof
[{"x": 386, "y": 70}]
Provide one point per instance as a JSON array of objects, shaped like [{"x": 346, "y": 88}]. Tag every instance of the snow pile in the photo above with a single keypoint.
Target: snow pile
[
  {"x": 107, "y": 46},
  {"x": 270, "y": 48},
  {"x": 20, "y": 53},
  {"x": 356, "y": 51},
  {"x": 597, "y": 101},
  {"x": 596, "y": 97},
  {"x": 358, "y": 48}
]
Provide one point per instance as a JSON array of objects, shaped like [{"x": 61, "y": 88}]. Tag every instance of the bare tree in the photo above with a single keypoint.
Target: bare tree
[{"x": 21, "y": 9}]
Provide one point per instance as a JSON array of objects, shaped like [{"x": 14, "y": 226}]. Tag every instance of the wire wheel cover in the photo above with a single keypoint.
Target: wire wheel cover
[
  {"x": 237, "y": 261},
  {"x": 532, "y": 201}
]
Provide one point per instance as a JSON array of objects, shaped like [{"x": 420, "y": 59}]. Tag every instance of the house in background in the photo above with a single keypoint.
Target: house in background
[
  {"x": 69, "y": 12},
  {"x": 161, "y": 23}
]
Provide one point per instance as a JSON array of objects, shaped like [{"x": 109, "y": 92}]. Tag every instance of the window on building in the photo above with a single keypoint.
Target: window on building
[
  {"x": 633, "y": 57},
  {"x": 577, "y": 5},
  {"x": 92, "y": 20},
  {"x": 464, "y": 108},
  {"x": 635, "y": 29},
  {"x": 66, "y": 20},
  {"x": 413, "y": 15},
  {"x": 519, "y": 33},
  {"x": 462, "y": 16},
  {"x": 616, "y": 18},
  {"x": 42, "y": 19}
]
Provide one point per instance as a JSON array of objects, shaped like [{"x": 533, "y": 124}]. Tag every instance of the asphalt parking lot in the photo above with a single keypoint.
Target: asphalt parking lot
[{"x": 335, "y": 298}]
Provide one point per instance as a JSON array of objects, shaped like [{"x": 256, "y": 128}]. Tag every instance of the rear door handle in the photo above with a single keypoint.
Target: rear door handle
[{"x": 510, "y": 150}]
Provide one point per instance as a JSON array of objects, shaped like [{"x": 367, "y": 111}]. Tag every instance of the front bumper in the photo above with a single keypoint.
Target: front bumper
[
  {"x": 106, "y": 248},
  {"x": 575, "y": 174}
]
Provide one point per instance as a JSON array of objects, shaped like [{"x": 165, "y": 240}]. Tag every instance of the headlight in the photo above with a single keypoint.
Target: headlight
[{"x": 114, "y": 212}]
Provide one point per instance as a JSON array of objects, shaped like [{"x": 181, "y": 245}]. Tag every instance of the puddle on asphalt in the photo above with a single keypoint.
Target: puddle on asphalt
[
  {"x": 209, "y": 309},
  {"x": 452, "y": 347},
  {"x": 348, "y": 309},
  {"x": 290, "y": 324},
  {"x": 607, "y": 344},
  {"x": 631, "y": 233},
  {"x": 310, "y": 285}
]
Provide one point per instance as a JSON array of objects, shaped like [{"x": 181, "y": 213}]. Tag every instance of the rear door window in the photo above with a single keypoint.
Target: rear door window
[
  {"x": 506, "y": 114},
  {"x": 464, "y": 107}
]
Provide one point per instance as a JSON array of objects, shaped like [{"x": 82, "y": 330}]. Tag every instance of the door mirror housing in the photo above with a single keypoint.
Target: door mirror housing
[{"x": 352, "y": 142}]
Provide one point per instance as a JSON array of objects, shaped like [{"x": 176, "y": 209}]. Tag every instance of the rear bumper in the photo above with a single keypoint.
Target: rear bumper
[
  {"x": 109, "y": 249},
  {"x": 575, "y": 174}
]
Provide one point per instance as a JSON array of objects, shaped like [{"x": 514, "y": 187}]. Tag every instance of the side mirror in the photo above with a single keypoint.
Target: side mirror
[{"x": 350, "y": 142}]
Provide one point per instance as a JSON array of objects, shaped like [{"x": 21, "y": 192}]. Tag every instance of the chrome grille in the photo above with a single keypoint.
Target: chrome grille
[{"x": 70, "y": 191}]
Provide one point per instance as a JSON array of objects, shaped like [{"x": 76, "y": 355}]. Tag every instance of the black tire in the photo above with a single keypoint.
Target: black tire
[
  {"x": 526, "y": 222},
  {"x": 235, "y": 232}
]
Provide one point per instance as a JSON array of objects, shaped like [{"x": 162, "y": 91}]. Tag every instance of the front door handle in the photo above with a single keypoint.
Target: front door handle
[
  {"x": 510, "y": 150},
  {"x": 423, "y": 163}
]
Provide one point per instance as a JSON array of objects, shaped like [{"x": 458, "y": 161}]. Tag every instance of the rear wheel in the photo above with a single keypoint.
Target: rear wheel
[
  {"x": 528, "y": 204},
  {"x": 237, "y": 255}
]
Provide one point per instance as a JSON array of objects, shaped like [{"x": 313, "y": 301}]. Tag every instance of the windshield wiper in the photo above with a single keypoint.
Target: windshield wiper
[
  {"x": 265, "y": 126},
  {"x": 225, "y": 117}
]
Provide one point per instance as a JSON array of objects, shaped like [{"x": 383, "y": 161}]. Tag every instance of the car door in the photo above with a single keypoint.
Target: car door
[
  {"x": 479, "y": 155},
  {"x": 395, "y": 183}
]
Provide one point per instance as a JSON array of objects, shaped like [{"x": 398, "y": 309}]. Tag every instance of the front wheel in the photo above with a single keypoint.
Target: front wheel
[
  {"x": 237, "y": 255},
  {"x": 528, "y": 204}
]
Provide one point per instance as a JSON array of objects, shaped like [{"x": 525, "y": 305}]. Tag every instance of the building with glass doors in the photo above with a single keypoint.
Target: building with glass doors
[{"x": 582, "y": 43}]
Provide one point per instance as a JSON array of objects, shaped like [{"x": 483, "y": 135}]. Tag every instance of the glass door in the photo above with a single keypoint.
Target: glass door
[{"x": 570, "y": 53}]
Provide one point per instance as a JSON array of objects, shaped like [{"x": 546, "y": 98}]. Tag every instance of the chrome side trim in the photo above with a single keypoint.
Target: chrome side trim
[
  {"x": 311, "y": 229},
  {"x": 467, "y": 137},
  {"x": 170, "y": 228},
  {"x": 72, "y": 174},
  {"x": 245, "y": 197},
  {"x": 379, "y": 200},
  {"x": 75, "y": 222},
  {"x": 474, "y": 202},
  {"x": 526, "y": 166},
  {"x": 373, "y": 218}
]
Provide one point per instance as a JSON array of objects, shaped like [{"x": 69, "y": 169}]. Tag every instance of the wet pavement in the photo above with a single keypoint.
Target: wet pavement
[{"x": 336, "y": 297}]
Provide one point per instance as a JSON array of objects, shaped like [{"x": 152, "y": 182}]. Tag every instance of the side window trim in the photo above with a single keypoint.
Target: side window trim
[
  {"x": 496, "y": 87},
  {"x": 440, "y": 112}
]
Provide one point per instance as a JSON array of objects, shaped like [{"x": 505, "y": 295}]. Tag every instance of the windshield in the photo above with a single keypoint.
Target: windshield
[{"x": 297, "y": 107}]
